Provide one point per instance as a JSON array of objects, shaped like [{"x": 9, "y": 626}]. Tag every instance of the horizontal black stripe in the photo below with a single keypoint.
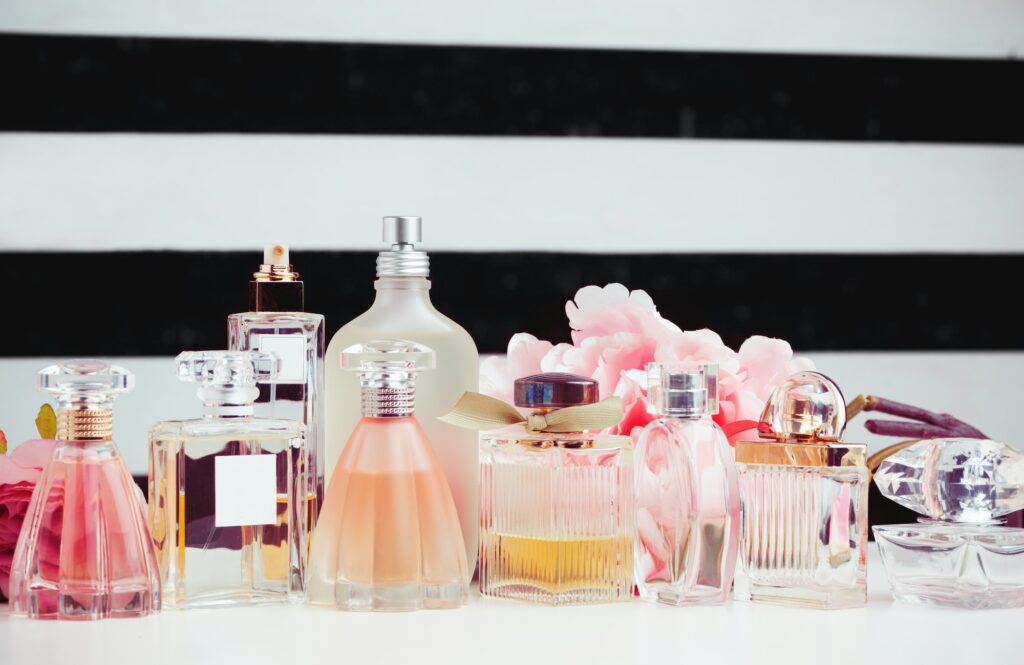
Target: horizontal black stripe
[
  {"x": 177, "y": 85},
  {"x": 158, "y": 303}
]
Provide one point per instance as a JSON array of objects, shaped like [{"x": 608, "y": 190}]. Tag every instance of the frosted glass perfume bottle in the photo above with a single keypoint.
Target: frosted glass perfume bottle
[
  {"x": 959, "y": 554},
  {"x": 402, "y": 310},
  {"x": 556, "y": 509},
  {"x": 388, "y": 537},
  {"x": 228, "y": 492},
  {"x": 85, "y": 550},
  {"x": 804, "y": 499},
  {"x": 276, "y": 323},
  {"x": 688, "y": 503}
]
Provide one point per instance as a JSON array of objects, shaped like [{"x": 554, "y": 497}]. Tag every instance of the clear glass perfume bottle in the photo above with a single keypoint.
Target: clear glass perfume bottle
[
  {"x": 85, "y": 550},
  {"x": 228, "y": 492},
  {"x": 388, "y": 537},
  {"x": 959, "y": 554},
  {"x": 687, "y": 490},
  {"x": 402, "y": 309},
  {"x": 556, "y": 509},
  {"x": 804, "y": 496},
  {"x": 276, "y": 323}
]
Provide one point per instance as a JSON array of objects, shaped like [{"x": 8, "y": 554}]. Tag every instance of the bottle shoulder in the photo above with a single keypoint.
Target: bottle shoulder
[
  {"x": 227, "y": 427},
  {"x": 300, "y": 318}
]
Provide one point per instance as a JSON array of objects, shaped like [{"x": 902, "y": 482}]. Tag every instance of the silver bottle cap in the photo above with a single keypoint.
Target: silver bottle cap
[
  {"x": 403, "y": 259},
  {"x": 682, "y": 389}
]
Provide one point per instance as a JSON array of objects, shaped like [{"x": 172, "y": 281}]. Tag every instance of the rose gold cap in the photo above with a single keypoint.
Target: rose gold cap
[{"x": 554, "y": 390}]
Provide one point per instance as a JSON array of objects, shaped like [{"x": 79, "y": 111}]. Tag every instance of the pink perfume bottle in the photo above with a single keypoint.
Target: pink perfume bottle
[
  {"x": 85, "y": 550},
  {"x": 388, "y": 537},
  {"x": 688, "y": 502}
]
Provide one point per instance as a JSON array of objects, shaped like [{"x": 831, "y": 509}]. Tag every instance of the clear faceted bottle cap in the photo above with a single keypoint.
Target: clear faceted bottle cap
[
  {"x": 554, "y": 390},
  {"x": 85, "y": 381},
  {"x": 807, "y": 406},
  {"x": 955, "y": 480},
  {"x": 682, "y": 388},
  {"x": 388, "y": 355},
  {"x": 227, "y": 368}
]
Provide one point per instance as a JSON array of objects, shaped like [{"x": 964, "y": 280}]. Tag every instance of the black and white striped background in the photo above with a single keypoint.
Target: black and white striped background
[{"x": 848, "y": 176}]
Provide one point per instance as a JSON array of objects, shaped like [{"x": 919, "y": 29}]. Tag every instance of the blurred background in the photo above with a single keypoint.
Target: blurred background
[{"x": 846, "y": 176}]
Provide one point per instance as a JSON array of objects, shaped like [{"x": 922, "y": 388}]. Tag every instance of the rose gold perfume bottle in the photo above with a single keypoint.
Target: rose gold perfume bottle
[
  {"x": 388, "y": 537},
  {"x": 804, "y": 498},
  {"x": 85, "y": 550},
  {"x": 556, "y": 496}
]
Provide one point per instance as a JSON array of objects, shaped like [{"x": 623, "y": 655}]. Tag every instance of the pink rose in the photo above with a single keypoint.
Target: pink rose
[{"x": 19, "y": 473}]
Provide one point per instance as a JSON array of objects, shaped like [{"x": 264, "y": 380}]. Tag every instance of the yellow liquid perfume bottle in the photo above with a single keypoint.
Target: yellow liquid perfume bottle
[
  {"x": 556, "y": 507},
  {"x": 228, "y": 493}
]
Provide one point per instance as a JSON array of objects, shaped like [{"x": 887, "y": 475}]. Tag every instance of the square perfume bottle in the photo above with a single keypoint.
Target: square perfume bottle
[
  {"x": 277, "y": 324},
  {"x": 803, "y": 495},
  {"x": 556, "y": 498},
  {"x": 228, "y": 492},
  {"x": 960, "y": 553}
]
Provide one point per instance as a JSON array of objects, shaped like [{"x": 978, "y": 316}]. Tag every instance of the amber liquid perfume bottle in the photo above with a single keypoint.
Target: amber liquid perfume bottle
[
  {"x": 388, "y": 538},
  {"x": 228, "y": 492},
  {"x": 804, "y": 496},
  {"x": 277, "y": 324},
  {"x": 556, "y": 507}
]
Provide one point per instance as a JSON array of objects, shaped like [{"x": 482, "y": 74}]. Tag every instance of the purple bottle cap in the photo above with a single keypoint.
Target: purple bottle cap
[{"x": 555, "y": 390}]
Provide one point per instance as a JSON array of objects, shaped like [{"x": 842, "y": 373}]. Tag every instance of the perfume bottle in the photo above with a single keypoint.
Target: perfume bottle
[
  {"x": 277, "y": 324},
  {"x": 688, "y": 503},
  {"x": 228, "y": 492},
  {"x": 388, "y": 537},
  {"x": 556, "y": 498},
  {"x": 959, "y": 554},
  {"x": 803, "y": 496},
  {"x": 402, "y": 310},
  {"x": 85, "y": 550}
]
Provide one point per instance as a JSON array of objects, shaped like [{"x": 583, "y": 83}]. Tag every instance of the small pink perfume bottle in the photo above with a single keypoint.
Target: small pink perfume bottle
[
  {"x": 388, "y": 537},
  {"x": 688, "y": 501},
  {"x": 85, "y": 550}
]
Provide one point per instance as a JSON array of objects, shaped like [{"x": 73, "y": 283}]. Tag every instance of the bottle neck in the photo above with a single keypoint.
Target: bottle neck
[
  {"x": 402, "y": 291},
  {"x": 220, "y": 410},
  {"x": 84, "y": 423}
]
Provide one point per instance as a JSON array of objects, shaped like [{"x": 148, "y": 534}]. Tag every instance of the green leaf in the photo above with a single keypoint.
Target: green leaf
[
  {"x": 46, "y": 422},
  {"x": 3, "y": 443}
]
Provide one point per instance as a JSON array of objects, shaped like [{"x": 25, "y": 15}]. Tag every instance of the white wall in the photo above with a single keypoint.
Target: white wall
[
  {"x": 979, "y": 388},
  {"x": 126, "y": 191}
]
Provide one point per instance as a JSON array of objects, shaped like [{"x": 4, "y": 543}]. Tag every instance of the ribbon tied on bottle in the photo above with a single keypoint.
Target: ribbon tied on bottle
[{"x": 480, "y": 412}]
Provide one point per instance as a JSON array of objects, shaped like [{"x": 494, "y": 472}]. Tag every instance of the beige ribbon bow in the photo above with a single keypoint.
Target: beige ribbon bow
[{"x": 476, "y": 411}]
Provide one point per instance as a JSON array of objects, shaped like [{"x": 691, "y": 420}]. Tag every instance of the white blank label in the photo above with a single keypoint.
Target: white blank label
[
  {"x": 245, "y": 490},
  {"x": 291, "y": 349}
]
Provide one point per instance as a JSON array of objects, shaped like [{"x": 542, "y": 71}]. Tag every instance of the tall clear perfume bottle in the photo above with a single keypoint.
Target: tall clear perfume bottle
[
  {"x": 687, "y": 490},
  {"x": 228, "y": 492},
  {"x": 804, "y": 499},
  {"x": 85, "y": 550},
  {"x": 402, "y": 310},
  {"x": 276, "y": 323},
  {"x": 959, "y": 554},
  {"x": 556, "y": 508},
  {"x": 388, "y": 537}
]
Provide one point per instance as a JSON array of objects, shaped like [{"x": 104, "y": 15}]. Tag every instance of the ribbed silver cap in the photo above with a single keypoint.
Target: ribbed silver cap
[{"x": 403, "y": 259}]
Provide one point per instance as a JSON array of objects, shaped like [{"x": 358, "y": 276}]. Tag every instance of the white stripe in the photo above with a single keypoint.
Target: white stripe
[
  {"x": 976, "y": 387},
  {"x": 981, "y": 28},
  {"x": 101, "y": 191}
]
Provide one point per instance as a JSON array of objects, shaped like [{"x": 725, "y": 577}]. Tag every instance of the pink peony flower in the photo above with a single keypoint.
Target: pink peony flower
[
  {"x": 19, "y": 473},
  {"x": 616, "y": 332}
]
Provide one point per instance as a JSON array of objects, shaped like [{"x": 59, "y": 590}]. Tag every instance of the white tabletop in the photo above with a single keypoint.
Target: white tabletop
[{"x": 498, "y": 631}]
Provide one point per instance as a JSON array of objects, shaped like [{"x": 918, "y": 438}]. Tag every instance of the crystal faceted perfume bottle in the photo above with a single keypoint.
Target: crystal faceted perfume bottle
[
  {"x": 228, "y": 492},
  {"x": 959, "y": 554},
  {"x": 556, "y": 507},
  {"x": 388, "y": 537},
  {"x": 687, "y": 491},
  {"x": 277, "y": 323},
  {"x": 85, "y": 550},
  {"x": 803, "y": 494},
  {"x": 402, "y": 310}
]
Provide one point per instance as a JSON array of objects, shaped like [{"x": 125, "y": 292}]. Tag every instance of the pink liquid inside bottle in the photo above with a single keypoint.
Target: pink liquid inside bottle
[
  {"x": 85, "y": 549},
  {"x": 388, "y": 537}
]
